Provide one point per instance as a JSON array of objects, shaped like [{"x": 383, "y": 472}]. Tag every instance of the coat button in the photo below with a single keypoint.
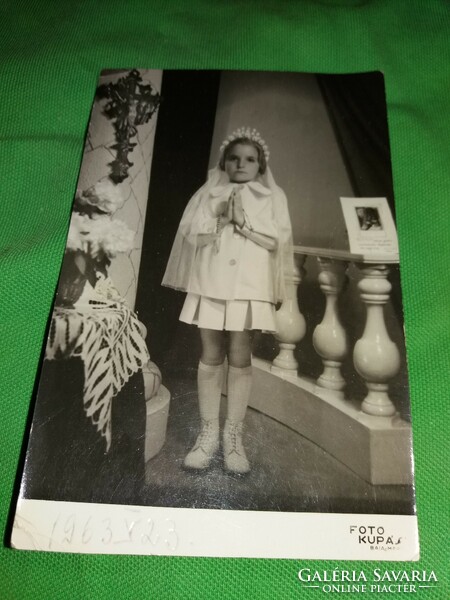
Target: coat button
[{"x": 232, "y": 262}]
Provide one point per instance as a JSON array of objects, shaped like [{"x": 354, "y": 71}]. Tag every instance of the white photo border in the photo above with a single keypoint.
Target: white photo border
[{"x": 147, "y": 530}]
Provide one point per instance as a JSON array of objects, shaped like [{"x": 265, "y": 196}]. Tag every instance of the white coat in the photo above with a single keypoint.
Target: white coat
[{"x": 234, "y": 267}]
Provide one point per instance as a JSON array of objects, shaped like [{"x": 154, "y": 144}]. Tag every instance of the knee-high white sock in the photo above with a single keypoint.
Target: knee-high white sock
[
  {"x": 209, "y": 380},
  {"x": 239, "y": 388}
]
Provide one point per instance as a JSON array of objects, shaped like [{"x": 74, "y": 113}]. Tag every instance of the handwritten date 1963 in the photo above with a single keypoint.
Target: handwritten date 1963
[{"x": 70, "y": 530}]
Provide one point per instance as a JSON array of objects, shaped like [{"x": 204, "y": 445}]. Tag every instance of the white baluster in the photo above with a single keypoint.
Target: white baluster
[
  {"x": 329, "y": 337},
  {"x": 376, "y": 357},
  {"x": 291, "y": 326}
]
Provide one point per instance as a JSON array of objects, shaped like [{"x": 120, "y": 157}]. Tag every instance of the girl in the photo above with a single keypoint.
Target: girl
[{"x": 231, "y": 251}]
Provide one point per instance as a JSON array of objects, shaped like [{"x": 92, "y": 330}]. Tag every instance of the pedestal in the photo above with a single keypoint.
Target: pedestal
[{"x": 156, "y": 422}]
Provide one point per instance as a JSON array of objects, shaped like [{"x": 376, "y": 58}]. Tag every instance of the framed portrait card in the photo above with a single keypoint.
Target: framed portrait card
[{"x": 371, "y": 228}]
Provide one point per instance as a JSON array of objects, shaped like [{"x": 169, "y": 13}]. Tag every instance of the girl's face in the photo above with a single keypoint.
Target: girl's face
[{"x": 242, "y": 164}]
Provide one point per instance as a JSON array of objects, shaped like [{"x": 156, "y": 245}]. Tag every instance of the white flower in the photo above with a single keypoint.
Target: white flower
[
  {"x": 78, "y": 232},
  {"x": 119, "y": 238},
  {"x": 99, "y": 235},
  {"x": 104, "y": 195}
]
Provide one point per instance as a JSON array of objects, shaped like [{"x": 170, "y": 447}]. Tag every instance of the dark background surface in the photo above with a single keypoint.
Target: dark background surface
[{"x": 179, "y": 167}]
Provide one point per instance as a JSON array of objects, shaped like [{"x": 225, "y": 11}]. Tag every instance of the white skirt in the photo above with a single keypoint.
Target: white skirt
[{"x": 229, "y": 315}]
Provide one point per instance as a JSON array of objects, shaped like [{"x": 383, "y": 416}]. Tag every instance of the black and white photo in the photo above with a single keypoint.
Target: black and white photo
[{"x": 225, "y": 355}]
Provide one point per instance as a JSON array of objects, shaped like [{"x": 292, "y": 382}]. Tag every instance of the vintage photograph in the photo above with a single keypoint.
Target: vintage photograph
[
  {"x": 368, "y": 218},
  {"x": 219, "y": 347}
]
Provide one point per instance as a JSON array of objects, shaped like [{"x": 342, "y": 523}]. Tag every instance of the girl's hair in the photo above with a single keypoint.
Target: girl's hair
[{"x": 247, "y": 142}]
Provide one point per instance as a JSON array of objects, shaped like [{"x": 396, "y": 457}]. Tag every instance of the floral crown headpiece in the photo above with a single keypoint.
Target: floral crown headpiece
[{"x": 250, "y": 134}]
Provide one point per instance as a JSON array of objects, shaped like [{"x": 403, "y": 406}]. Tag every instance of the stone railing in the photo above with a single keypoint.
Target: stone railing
[
  {"x": 369, "y": 437},
  {"x": 376, "y": 357}
]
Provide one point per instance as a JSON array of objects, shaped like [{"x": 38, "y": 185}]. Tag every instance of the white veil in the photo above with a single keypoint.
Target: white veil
[{"x": 182, "y": 257}]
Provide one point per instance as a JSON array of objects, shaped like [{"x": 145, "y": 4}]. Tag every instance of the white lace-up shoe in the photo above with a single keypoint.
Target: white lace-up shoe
[
  {"x": 205, "y": 447},
  {"x": 234, "y": 455}
]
